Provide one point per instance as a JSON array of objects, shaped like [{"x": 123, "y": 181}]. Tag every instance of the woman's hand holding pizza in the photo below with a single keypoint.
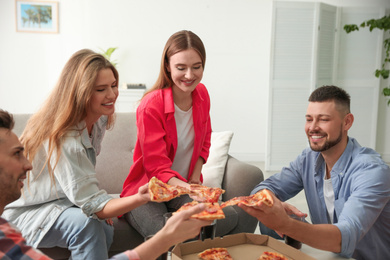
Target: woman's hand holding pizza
[
  {"x": 178, "y": 228},
  {"x": 143, "y": 193},
  {"x": 193, "y": 180},
  {"x": 195, "y": 177},
  {"x": 181, "y": 226}
]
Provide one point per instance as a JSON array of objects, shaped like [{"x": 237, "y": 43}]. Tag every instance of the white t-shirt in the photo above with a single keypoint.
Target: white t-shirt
[
  {"x": 329, "y": 197},
  {"x": 185, "y": 141}
]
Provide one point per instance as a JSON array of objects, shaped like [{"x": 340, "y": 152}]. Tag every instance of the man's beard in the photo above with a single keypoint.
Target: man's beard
[{"x": 328, "y": 144}]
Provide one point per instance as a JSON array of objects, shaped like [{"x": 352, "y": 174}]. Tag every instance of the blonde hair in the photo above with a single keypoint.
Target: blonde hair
[
  {"x": 66, "y": 105},
  {"x": 180, "y": 41}
]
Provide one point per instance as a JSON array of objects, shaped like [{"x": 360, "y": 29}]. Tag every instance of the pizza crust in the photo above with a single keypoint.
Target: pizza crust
[
  {"x": 205, "y": 194},
  {"x": 263, "y": 196},
  {"x": 212, "y": 211},
  {"x": 160, "y": 191}
]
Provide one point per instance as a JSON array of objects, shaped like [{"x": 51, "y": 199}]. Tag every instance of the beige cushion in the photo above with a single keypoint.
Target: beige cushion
[{"x": 214, "y": 168}]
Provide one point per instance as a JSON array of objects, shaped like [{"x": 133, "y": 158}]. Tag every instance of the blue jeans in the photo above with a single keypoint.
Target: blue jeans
[
  {"x": 85, "y": 237},
  {"x": 148, "y": 219}
]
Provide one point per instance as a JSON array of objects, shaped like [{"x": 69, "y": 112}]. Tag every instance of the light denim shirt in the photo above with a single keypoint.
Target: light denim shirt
[
  {"x": 75, "y": 184},
  {"x": 361, "y": 183}
]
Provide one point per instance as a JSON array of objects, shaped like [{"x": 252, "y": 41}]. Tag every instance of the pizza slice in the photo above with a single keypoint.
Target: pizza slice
[
  {"x": 215, "y": 254},
  {"x": 211, "y": 212},
  {"x": 181, "y": 190},
  {"x": 263, "y": 196},
  {"x": 235, "y": 201},
  {"x": 205, "y": 194},
  {"x": 272, "y": 256},
  {"x": 160, "y": 191}
]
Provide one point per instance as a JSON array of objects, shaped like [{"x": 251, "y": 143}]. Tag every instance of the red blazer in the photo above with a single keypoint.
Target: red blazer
[{"x": 157, "y": 137}]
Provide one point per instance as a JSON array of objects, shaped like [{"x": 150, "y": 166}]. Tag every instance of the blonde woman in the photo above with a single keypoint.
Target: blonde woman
[
  {"x": 13, "y": 168},
  {"x": 62, "y": 204}
]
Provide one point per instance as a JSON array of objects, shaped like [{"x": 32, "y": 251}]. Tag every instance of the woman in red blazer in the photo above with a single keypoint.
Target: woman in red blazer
[{"x": 173, "y": 130}]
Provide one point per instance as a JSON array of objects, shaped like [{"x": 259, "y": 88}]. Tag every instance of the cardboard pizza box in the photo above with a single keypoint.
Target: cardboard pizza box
[{"x": 244, "y": 246}]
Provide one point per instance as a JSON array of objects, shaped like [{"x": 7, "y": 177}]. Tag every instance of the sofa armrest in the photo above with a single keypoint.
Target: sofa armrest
[{"x": 240, "y": 178}]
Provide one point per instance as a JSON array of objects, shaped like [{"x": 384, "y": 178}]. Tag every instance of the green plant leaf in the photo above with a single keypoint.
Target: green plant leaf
[
  {"x": 381, "y": 24},
  {"x": 110, "y": 51},
  {"x": 385, "y": 73},
  {"x": 107, "y": 54},
  {"x": 386, "y": 92},
  {"x": 382, "y": 73},
  {"x": 351, "y": 27}
]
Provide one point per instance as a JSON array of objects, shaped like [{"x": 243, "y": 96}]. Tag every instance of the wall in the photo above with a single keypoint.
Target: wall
[{"x": 236, "y": 35}]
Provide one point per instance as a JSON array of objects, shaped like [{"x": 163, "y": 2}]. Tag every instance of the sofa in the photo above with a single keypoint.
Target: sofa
[{"x": 112, "y": 167}]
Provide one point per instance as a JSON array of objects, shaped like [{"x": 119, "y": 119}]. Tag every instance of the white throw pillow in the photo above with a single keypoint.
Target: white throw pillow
[{"x": 214, "y": 169}]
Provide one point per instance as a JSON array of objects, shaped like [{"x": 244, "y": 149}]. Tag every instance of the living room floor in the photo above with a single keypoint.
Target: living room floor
[{"x": 299, "y": 201}]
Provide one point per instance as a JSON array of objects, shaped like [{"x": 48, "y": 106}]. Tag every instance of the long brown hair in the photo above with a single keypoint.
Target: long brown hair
[
  {"x": 180, "y": 41},
  {"x": 66, "y": 105}
]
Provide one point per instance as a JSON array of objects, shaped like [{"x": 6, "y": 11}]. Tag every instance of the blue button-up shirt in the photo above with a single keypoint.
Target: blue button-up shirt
[{"x": 361, "y": 184}]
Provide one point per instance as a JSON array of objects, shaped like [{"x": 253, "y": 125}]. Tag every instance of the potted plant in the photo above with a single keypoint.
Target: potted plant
[
  {"x": 107, "y": 54},
  {"x": 381, "y": 24}
]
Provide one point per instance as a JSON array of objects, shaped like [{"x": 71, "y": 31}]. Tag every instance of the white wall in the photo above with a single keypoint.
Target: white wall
[{"x": 236, "y": 34}]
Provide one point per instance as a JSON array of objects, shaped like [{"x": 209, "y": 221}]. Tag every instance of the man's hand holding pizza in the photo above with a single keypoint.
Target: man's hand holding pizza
[
  {"x": 273, "y": 216},
  {"x": 277, "y": 217},
  {"x": 291, "y": 210}
]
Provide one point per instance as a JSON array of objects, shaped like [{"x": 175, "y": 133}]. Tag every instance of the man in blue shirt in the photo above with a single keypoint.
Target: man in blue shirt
[{"x": 347, "y": 187}]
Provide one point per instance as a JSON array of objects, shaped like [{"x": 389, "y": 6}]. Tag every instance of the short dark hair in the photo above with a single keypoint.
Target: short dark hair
[
  {"x": 332, "y": 93},
  {"x": 6, "y": 120}
]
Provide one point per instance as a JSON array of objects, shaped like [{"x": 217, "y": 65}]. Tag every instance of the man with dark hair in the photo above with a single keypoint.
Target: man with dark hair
[
  {"x": 13, "y": 169},
  {"x": 13, "y": 164},
  {"x": 347, "y": 187},
  {"x": 6, "y": 120}
]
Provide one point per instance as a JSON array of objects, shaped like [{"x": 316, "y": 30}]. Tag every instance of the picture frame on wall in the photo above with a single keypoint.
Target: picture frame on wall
[{"x": 36, "y": 16}]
